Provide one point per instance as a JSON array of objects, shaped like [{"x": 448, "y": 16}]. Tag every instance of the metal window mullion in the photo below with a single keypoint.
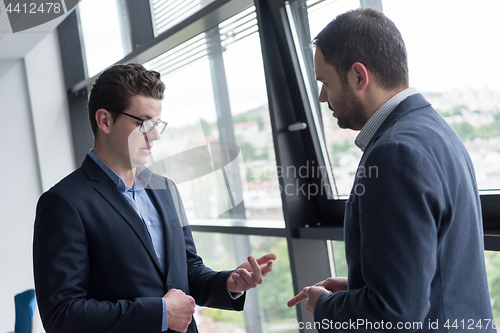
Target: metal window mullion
[
  {"x": 72, "y": 56},
  {"x": 140, "y": 22}
]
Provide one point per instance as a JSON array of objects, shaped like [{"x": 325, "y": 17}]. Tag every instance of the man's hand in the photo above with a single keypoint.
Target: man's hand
[
  {"x": 251, "y": 273},
  {"x": 180, "y": 310},
  {"x": 331, "y": 285},
  {"x": 312, "y": 294}
]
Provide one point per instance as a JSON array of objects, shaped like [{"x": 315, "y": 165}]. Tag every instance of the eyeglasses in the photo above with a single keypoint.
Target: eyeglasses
[{"x": 147, "y": 125}]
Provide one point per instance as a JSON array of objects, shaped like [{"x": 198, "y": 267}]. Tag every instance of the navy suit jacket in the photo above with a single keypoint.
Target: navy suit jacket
[
  {"x": 94, "y": 264},
  {"x": 413, "y": 232}
]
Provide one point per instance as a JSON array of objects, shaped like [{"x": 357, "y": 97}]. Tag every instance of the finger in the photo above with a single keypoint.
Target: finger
[
  {"x": 320, "y": 283},
  {"x": 191, "y": 301},
  {"x": 243, "y": 279},
  {"x": 256, "y": 269},
  {"x": 268, "y": 268},
  {"x": 249, "y": 278},
  {"x": 266, "y": 258},
  {"x": 297, "y": 299},
  {"x": 177, "y": 291}
]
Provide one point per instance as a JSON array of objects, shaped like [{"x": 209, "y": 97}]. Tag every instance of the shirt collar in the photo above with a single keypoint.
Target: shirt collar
[
  {"x": 142, "y": 174},
  {"x": 376, "y": 120}
]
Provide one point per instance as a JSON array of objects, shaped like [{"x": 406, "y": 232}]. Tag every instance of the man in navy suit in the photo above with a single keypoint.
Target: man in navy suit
[
  {"x": 112, "y": 249},
  {"x": 412, "y": 226}
]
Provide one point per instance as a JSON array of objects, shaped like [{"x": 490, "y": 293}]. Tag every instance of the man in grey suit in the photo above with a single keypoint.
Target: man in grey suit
[
  {"x": 413, "y": 226},
  {"x": 112, "y": 248}
]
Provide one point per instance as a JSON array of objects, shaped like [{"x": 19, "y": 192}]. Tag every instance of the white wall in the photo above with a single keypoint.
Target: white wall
[
  {"x": 36, "y": 153},
  {"x": 50, "y": 111}
]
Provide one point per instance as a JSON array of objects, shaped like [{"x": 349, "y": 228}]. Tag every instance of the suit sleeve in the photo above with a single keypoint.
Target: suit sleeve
[
  {"x": 208, "y": 288},
  {"x": 397, "y": 241},
  {"x": 61, "y": 270}
]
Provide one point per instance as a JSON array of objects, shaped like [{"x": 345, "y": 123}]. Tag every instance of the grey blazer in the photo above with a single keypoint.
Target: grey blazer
[{"x": 413, "y": 232}]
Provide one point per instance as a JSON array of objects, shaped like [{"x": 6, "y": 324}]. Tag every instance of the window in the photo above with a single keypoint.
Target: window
[
  {"x": 338, "y": 261},
  {"x": 343, "y": 154},
  {"x": 441, "y": 58},
  {"x": 265, "y": 306},
  {"x": 492, "y": 260},
  {"x": 104, "y": 30},
  {"x": 446, "y": 56},
  {"x": 218, "y": 147}
]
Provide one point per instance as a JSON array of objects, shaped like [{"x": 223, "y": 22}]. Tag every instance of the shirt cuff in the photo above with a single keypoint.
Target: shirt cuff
[
  {"x": 164, "y": 322},
  {"x": 235, "y": 296}
]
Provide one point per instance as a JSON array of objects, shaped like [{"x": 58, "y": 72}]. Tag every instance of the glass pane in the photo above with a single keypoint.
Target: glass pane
[
  {"x": 344, "y": 155},
  {"x": 448, "y": 60},
  {"x": 492, "y": 260},
  {"x": 266, "y": 310},
  {"x": 104, "y": 25},
  {"x": 320, "y": 13},
  {"x": 467, "y": 97},
  {"x": 218, "y": 145},
  {"x": 339, "y": 261},
  {"x": 167, "y": 13}
]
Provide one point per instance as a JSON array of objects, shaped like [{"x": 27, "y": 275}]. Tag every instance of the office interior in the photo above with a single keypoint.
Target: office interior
[{"x": 239, "y": 72}]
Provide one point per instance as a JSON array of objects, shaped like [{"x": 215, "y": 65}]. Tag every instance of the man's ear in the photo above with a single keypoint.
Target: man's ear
[
  {"x": 104, "y": 120},
  {"x": 358, "y": 76}
]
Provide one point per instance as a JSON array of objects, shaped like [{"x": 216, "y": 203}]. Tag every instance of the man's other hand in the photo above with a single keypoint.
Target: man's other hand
[
  {"x": 312, "y": 294},
  {"x": 332, "y": 285},
  {"x": 180, "y": 310}
]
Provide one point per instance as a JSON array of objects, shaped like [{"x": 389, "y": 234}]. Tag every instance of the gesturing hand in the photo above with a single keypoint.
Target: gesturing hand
[
  {"x": 312, "y": 294},
  {"x": 251, "y": 273},
  {"x": 331, "y": 285},
  {"x": 180, "y": 310}
]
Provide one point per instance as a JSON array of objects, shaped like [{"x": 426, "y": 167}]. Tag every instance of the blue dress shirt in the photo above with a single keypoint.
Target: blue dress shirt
[{"x": 140, "y": 201}]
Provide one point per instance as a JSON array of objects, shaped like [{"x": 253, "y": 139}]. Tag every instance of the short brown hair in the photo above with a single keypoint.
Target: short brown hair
[
  {"x": 367, "y": 36},
  {"x": 114, "y": 87}
]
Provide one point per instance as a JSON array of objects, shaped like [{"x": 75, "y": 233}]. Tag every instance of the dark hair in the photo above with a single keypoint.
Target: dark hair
[
  {"x": 367, "y": 36},
  {"x": 114, "y": 88}
]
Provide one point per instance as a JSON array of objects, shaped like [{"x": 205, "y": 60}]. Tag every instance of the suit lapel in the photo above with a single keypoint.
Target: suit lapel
[{"x": 108, "y": 190}]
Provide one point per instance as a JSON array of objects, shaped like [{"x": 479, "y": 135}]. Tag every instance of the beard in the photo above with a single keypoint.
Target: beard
[{"x": 349, "y": 110}]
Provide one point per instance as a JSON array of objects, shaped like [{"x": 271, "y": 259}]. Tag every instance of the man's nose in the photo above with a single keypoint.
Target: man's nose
[
  {"x": 154, "y": 134},
  {"x": 322, "y": 95}
]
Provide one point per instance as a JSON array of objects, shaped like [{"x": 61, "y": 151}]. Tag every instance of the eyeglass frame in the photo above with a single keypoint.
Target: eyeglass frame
[{"x": 142, "y": 120}]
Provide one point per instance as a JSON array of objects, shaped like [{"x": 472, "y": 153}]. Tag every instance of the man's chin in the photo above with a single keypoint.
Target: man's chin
[
  {"x": 139, "y": 161},
  {"x": 347, "y": 124},
  {"x": 343, "y": 124}
]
